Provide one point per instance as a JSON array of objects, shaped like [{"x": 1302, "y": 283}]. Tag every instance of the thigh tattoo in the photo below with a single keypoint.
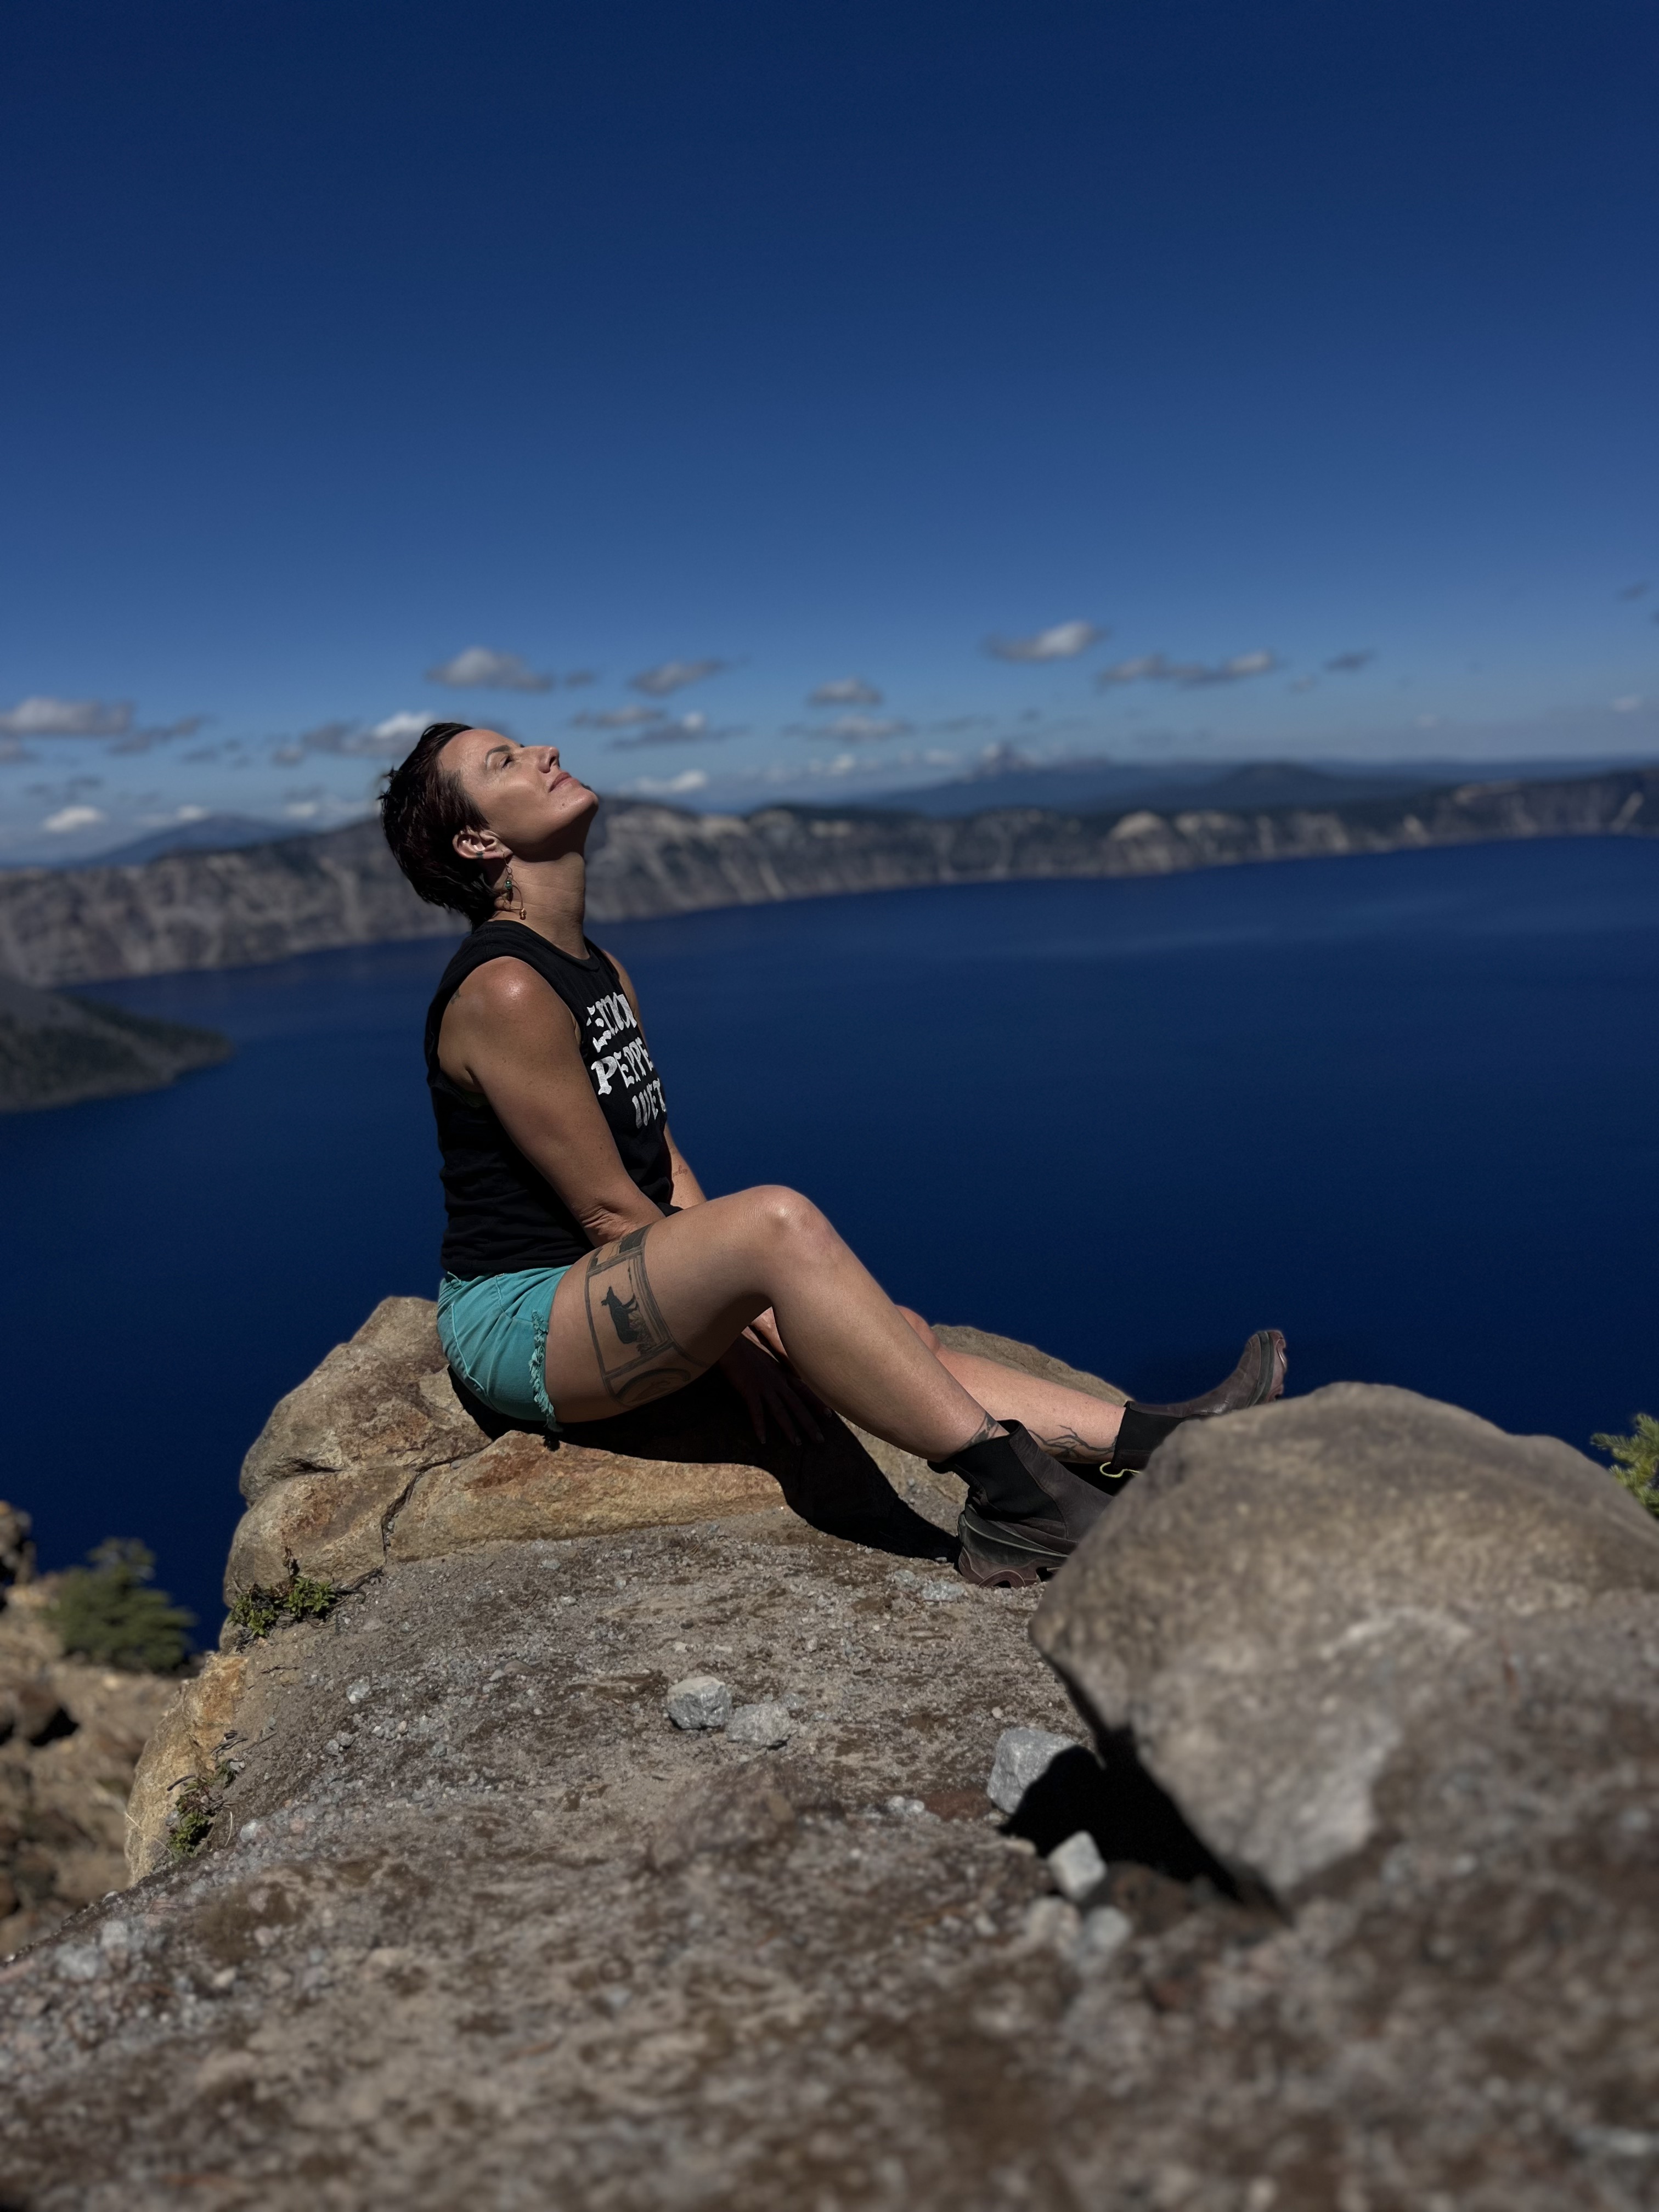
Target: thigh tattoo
[{"x": 633, "y": 1343}]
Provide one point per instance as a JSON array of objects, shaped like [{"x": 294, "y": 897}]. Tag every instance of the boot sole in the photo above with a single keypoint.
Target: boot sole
[{"x": 994, "y": 1557}]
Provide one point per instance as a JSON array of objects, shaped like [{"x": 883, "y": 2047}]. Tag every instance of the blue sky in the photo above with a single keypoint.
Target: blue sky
[{"x": 1186, "y": 350}]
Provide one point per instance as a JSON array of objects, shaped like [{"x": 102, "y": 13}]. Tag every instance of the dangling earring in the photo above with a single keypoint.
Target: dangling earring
[{"x": 510, "y": 899}]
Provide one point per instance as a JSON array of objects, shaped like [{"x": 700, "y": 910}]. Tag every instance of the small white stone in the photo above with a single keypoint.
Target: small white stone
[
  {"x": 356, "y": 1693},
  {"x": 906, "y": 1807},
  {"x": 1105, "y": 1931},
  {"x": 1052, "y": 1922},
  {"x": 80, "y": 1962},
  {"x": 114, "y": 1936},
  {"x": 701, "y": 1701},
  {"x": 1076, "y": 1866},
  {"x": 765, "y": 1725},
  {"x": 944, "y": 1591},
  {"x": 1024, "y": 1756}
]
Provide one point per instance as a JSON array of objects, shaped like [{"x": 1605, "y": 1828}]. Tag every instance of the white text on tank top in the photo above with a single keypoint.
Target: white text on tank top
[{"x": 614, "y": 1056}]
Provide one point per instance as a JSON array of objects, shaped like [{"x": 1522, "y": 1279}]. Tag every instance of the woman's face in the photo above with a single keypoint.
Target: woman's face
[{"x": 529, "y": 805}]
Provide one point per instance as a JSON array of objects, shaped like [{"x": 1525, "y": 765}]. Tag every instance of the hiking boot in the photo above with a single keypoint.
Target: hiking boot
[
  {"x": 1003, "y": 1549},
  {"x": 1258, "y": 1378}
]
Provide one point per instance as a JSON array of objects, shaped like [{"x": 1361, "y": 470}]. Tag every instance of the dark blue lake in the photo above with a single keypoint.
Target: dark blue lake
[{"x": 1405, "y": 1109}]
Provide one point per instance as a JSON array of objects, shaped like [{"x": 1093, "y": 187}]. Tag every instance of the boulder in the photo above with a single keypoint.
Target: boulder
[
  {"x": 517, "y": 1488},
  {"x": 382, "y": 1399},
  {"x": 1308, "y": 1607},
  {"x": 373, "y": 1457}
]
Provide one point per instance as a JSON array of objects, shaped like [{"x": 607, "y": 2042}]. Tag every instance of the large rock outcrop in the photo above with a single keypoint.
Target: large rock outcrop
[{"x": 476, "y": 1919}]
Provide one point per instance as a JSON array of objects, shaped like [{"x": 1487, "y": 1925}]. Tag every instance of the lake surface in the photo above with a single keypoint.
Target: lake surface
[{"x": 1403, "y": 1107}]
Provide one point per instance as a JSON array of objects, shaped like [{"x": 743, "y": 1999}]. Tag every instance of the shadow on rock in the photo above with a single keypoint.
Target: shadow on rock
[
  {"x": 835, "y": 1486},
  {"x": 1159, "y": 1868}
]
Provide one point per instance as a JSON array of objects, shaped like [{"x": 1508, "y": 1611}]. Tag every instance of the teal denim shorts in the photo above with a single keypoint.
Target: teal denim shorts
[{"x": 493, "y": 1329}]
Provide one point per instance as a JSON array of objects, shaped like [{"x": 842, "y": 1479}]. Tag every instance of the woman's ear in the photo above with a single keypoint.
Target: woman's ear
[{"x": 477, "y": 844}]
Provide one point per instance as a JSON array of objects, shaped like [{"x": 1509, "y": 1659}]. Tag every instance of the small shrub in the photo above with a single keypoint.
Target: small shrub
[
  {"x": 1635, "y": 1460},
  {"x": 105, "y": 1612},
  {"x": 258, "y": 1611},
  {"x": 194, "y": 1812}
]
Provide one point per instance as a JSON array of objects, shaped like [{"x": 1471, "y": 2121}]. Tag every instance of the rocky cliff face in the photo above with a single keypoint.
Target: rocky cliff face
[
  {"x": 70, "y": 1735},
  {"x": 1332, "y": 1887},
  {"x": 304, "y": 894}
]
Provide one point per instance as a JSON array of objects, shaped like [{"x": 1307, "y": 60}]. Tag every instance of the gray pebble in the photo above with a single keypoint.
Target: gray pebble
[
  {"x": 766, "y": 1725},
  {"x": 1024, "y": 1755},
  {"x": 1076, "y": 1866},
  {"x": 80, "y": 1962},
  {"x": 356, "y": 1693},
  {"x": 943, "y": 1590},
  {"x": 701, "y": 1701}
]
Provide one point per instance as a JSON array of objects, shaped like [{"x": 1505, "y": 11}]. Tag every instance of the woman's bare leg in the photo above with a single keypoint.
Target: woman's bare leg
[
  {"x": 646, "y": 1315},
  {"x": 1069, "y": 1424}
]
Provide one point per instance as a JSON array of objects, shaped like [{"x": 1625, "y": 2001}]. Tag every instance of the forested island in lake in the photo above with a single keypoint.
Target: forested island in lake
[
  {"x": 266, "y": 902},
  {"x": 57, "y": 1051}
]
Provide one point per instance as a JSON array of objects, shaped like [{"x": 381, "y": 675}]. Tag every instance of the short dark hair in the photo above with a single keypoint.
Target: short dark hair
[{"x": 422, "y": 809}]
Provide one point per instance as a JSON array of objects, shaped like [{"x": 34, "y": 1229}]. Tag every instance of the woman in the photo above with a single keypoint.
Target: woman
[{"x": 585, "y": 1271}]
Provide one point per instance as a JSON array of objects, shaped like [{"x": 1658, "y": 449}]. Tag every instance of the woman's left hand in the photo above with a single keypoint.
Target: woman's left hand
[{"x": 765, "y": 1387}]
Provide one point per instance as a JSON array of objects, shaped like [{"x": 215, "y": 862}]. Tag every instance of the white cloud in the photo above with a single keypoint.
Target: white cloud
[
  {"x": 69, "y": 818},
  {"x": 669, "y": 786},
  {"x": 44, "y": 717},
  {"x": 1350, "y": 663},
  {"x": 383, "y": 740},
  {"x": 844, "y": 691},
  {"x": 615, "y": 717},
  {"x": 190, "y": 814},
  {"x": 303, "y": 810},
  {"x": 1231, "y": 671},
  {"x": 397, "y": 730},
  {"x": 1628, "y": 704},
  {"x": 1063, "y": 642},
  {"x": 684, "y": 730},
  {"x": 481, "y": 668},
  {"x": 673, "y": 676},
  {"x": 1157, "y": 668},
  {"x": 862, "y": 729}
]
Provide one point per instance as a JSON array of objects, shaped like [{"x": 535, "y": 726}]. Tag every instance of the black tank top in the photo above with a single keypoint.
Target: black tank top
[{"x": 503, "y": 1212}]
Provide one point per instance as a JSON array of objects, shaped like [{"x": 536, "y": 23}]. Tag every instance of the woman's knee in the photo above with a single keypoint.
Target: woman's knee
[
  {"x": 920, "y": 1327},
  {"x": 783, "y": 1217}
]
